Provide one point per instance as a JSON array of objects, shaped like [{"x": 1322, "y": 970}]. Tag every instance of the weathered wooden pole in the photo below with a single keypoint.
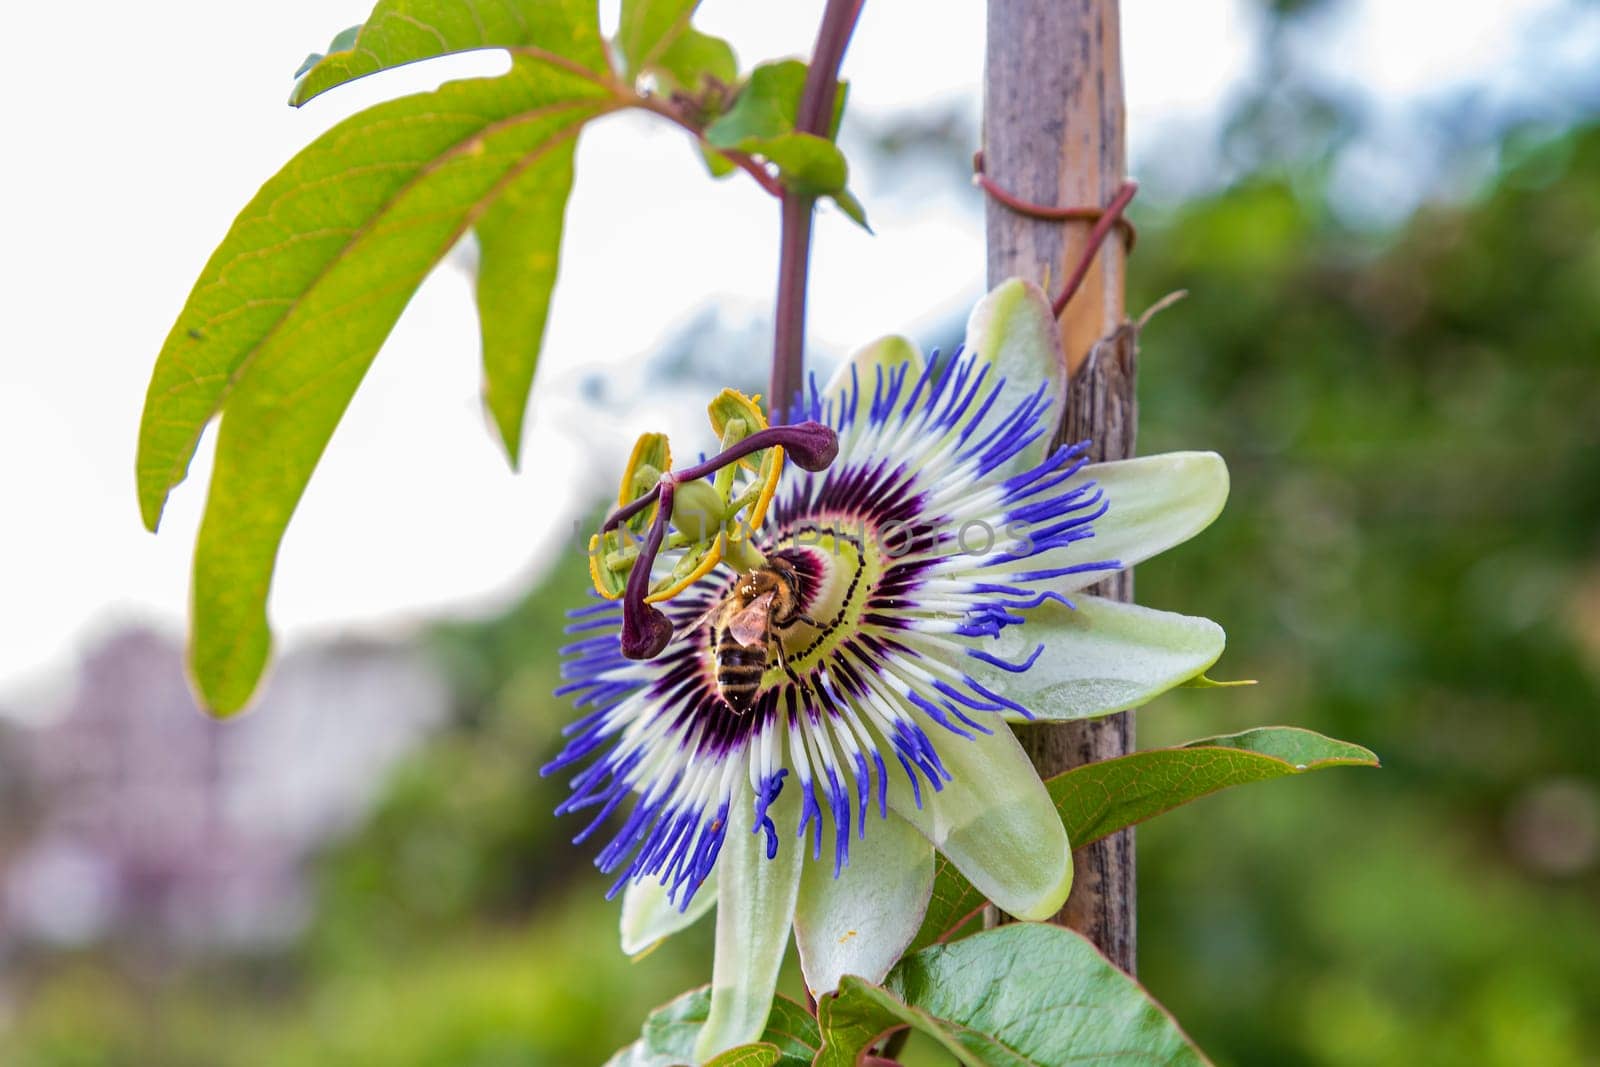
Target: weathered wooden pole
[{"x": 1053, "y": 135}]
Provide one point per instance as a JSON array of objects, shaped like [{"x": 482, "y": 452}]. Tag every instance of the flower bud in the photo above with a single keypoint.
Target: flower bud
[
  {"x": 645, "y": 631},
  {"x": 810, "y": 445}
]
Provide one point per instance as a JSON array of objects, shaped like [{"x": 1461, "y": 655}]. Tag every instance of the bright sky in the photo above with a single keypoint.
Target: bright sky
[{"x": 135, "y": 144}]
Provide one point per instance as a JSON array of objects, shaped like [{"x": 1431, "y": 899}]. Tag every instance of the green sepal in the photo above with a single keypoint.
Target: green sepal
[
  {"x": 1014, "y": 332},
  {"x": 649, "y": 917},
  {"x": 994, "y": 820},
  {"x": 755, "y": 909},
  {"x": 861, "y": 919},
  {"x": 1100, "y": 657}
]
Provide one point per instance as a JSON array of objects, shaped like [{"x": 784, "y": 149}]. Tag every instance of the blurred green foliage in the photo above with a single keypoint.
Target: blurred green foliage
[{"x": 1411, "y": 560}]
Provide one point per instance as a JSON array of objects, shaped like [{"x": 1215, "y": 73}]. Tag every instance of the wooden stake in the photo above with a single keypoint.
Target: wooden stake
[{"x": 1053, "y": 134}]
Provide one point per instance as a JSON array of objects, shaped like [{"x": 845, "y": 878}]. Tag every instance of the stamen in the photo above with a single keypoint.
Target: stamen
[{"x": 645, "y": 630}]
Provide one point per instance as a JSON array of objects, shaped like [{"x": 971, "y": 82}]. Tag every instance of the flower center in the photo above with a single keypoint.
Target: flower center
[{"x": 838, "y": 566}]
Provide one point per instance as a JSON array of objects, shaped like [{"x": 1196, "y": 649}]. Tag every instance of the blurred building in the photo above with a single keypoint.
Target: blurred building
[{"x": 133, "y": 816}]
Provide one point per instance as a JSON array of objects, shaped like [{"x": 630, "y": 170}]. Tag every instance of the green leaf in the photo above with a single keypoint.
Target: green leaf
[
  {"x": 655, "y": 37},
  {"x": 758, "y": 1055},
  {"x": 1098, "y": 799},
  {"x": 405, "y": 31},
  {"x": 761, "y": 123},
  {"x": 519, "y": 246},
  {"x": 953, "y": 902},
  {"x": 669, "y": 1033},
  {"x": 717, "y": 164},
  {"x": 1025, "y": 995},
  {"x": 695, "y": 60},
  {"x": 806, "y": 163},
  {"x": 342, "y": 41},
  {"x": 765, "y": 107},
  {"x": 1102, "y": 657},
  {"x": 293, "y": 305}
]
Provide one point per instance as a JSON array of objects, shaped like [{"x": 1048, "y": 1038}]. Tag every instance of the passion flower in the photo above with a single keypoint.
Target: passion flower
[{"x": 933, "y": 562}]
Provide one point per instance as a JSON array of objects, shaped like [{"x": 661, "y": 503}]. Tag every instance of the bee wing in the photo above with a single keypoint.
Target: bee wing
[
  {"x": 749, "y": 626},
  {"x": 690, "y": 628}
]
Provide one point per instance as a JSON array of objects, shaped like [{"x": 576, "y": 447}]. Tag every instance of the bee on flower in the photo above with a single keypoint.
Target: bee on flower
[{"x": 791, "y": 731}]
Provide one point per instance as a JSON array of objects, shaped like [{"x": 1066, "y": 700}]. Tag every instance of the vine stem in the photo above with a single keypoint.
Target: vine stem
[
  {"x": 794, "y": 254},
  {"x": 1097, "y": 237}
]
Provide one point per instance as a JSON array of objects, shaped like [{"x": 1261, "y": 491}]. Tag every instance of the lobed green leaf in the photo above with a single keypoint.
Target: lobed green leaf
[
  {"x": 519, "y": 250},
  {"x": 406, "y": 31},
  {"x": 293, "y": 305},
  {"x": 1023, "y": 995}
]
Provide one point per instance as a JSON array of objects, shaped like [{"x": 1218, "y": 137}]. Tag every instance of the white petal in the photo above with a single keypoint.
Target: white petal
[
  {"x": 861, "y": 368},
  {"x": 995, "y": 822},
  {"x": 1156, "y": 502},
  {"x": 1104, "y": 657},
  {"x": 756, "y": 907},
  {"x": 648, "y": 917},
  {"x": 1014, "y": 330},
  {"x": 860, "y": 922}
]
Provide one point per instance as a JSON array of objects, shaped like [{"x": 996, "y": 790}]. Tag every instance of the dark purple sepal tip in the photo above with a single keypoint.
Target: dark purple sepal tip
[
  {"x": 645, "y": 631},
  {"x": 811, "y": 445}
]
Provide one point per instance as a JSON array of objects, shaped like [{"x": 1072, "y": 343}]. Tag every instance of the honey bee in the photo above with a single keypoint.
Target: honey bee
[{"x": 747, "y": 627}]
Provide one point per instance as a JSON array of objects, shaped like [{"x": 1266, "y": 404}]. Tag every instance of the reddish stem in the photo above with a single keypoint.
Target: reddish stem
[
  {"x": 1048, "y": 212},
  {"x": 814, "y": 116},
  {"x": 810, "y": 445},
  {"x": 1097, "y": 237}
]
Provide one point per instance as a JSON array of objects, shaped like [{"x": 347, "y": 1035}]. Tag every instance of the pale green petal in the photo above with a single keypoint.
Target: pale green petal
[
  {"x": 648, "y": 916},
  {"x": 1014, "y": 330},
  {"x": 1156, "y": 502},
  {"x": 995, "y": 821},
  {"x": 860, "y": 922},
  {"x": 755, "y": 909},
  {"x": 1103, "y": 657},
  {"x": 889, "y": 353}
]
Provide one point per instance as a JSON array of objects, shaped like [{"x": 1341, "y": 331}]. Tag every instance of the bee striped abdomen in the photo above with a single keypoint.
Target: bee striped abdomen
[{"x": 739, "y": 670}]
